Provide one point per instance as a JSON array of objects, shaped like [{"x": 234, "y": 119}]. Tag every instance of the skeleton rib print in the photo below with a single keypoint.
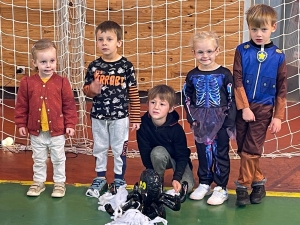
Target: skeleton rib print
[{"x": 207, "y": 91}]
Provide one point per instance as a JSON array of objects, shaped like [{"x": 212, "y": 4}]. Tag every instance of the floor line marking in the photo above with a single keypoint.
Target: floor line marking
[{"x": 232, "y": 192}]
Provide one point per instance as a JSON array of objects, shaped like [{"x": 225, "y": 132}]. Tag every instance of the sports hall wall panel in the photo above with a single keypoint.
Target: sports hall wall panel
[{"x": 156, "y": 37}]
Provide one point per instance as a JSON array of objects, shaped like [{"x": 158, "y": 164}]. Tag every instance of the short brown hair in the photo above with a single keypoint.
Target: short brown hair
[
  {"x": 261, "y": 14},
  {"x": 110, "y": 26},
  {"x": 41, "y": 45},
  {"x": 164, "y": 92}
]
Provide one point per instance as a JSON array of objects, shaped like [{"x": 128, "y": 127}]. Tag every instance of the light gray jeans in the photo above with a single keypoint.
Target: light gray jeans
[
  {"x": 41, "y": 145},
  {"x": 112, "y": 133},
  {"x": 161, "y": 161}
]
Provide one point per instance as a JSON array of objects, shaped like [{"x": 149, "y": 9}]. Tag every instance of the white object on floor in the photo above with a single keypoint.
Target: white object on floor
[
  {"x": 172, "y": 192},
  {"x": 7, "y": 142},
  {"x": 135, "y": 217},
  {"x": 116, "y": 201}
]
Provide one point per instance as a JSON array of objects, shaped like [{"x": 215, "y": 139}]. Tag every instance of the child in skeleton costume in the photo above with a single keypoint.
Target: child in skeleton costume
[
  {"x": 260, "y": 78},
  {"x": 109, "y": 113},
  {"x": 211, "y": 112}
]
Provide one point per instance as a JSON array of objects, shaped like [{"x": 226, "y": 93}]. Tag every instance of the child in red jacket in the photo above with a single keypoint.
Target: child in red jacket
[{"x": 46, "y": 107}]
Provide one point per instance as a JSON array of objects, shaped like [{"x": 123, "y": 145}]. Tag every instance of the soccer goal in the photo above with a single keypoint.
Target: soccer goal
[{"x": 156, "y": 40}]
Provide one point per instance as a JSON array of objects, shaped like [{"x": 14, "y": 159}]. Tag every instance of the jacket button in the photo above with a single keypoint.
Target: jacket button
[
  {"x": 44, "y": 85},
  {"x": 50, "y": 121},
  {"x": 37, "y": 130},
  {"x": 39, "y": 121},
  {"x": 39, "y": 109}
]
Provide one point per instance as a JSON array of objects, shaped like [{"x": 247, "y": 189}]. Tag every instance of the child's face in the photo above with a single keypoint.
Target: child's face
[
  {"x": 45, "y": 62},
  {"x": 158, "y": 110},
  {"x": 261, "y": 35},
  {"x": 108, "y": 44},
  {"x": 205, "y": 52}
]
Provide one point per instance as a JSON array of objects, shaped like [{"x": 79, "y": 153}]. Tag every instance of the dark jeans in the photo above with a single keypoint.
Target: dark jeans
[{"x": 214, "y": 161}]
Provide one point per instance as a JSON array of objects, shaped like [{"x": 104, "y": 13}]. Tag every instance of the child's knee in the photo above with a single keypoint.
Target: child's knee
[{"x": 158, "y": 152}]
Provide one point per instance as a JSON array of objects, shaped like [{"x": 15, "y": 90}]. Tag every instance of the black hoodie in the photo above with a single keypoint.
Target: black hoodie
[{"x": 169, "y": 135}]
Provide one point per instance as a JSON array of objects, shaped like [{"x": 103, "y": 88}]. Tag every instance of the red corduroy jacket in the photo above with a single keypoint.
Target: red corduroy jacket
[{"x": 59, "y": 101}]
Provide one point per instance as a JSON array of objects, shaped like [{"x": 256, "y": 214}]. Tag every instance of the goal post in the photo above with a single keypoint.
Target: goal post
[{"x": 156, "y": 36}]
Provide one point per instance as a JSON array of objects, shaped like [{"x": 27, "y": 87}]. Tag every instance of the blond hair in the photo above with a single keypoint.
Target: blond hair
[
  {"x": 204, "y": 35},
  {"x": 164, "y": 92},
  {"x": 41, "y": 44},
  {"x": 261, "y": 14}
]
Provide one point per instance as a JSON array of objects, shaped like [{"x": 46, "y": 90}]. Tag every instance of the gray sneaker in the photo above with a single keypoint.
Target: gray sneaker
[
  {"x": 119, "y": 182},
  {"x": 98, "y": 187}
]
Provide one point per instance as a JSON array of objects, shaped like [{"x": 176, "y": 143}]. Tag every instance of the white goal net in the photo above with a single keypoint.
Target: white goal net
[{"x": 156, "y": 40}]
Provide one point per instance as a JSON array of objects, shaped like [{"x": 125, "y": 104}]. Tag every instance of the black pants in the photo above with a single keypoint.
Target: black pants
[{"x": 214, "y": 162}]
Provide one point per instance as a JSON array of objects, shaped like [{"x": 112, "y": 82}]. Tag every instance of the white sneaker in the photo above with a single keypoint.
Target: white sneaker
[
  {"x": 200, "y": 192},
  {"x": 59, "y": 190},
  {"x": 36, "y": 189},
  {"x": 218, "y": 197},
  {"x": 172, "y": 192}
]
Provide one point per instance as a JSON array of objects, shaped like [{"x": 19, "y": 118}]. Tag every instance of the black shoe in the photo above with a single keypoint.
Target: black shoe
[
  {"x": 257, "y": 194},
  {"x": 242, "y": 197}
]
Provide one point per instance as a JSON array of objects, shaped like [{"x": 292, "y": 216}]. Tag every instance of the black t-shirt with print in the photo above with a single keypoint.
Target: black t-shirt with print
[{"x": 116, "y": 77}]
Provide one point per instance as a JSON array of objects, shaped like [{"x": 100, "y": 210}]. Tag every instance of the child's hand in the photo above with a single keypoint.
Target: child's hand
[
  {"x": 22, "y": 131},
  {"x": 195, "y": 123},
  {"x": 176, "y": 185},
  {"x": 275, "y": 125},
  {"x": 248, "y": 115},
  {"x": 135, "y": 126},
  {"x": 70, "y": 131},
  {"x": 92, "y": 89}
]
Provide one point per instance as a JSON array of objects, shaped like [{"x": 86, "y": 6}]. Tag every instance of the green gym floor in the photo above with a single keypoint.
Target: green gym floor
[
  {"x": 281, "y": 206},
  {"x": 76, "y": 209}
]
